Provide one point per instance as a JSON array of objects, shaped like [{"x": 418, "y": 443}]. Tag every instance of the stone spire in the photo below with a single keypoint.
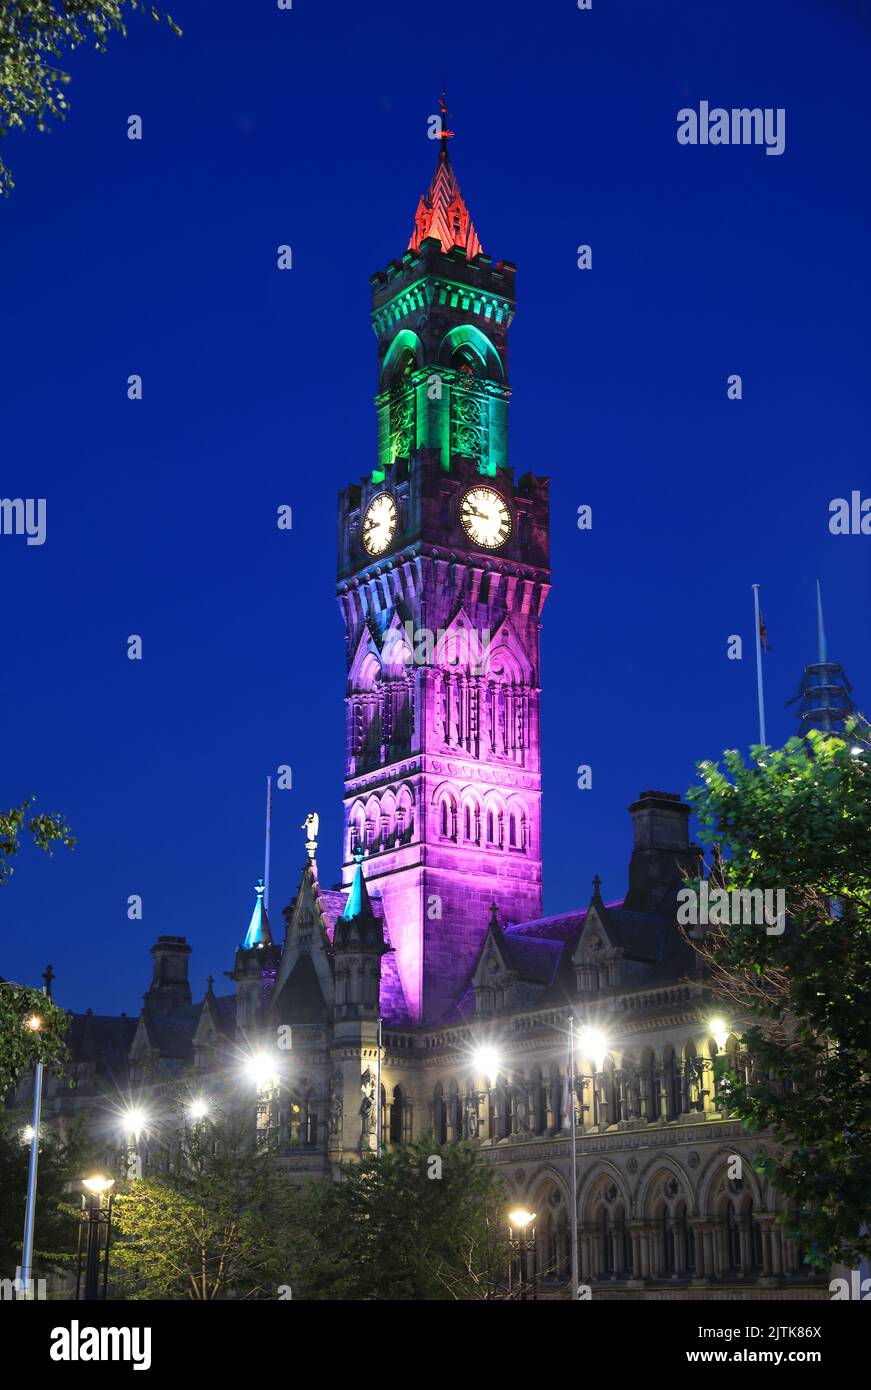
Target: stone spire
[
  {"x": 258, "y": 933},
  {"x": 442, "y": 211}
]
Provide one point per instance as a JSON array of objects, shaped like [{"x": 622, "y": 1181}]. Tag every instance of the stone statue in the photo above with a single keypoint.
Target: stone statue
[
  {"x": 367, "y": 1104},
  {"x": 310, "y": 826},
  {"x": 336, "y": 1106}
]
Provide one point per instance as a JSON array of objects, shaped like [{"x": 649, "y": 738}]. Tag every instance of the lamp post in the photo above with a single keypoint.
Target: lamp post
[
  {"x": 34, "y": 1024},
  {"x": 95, "y": 1217},
  {"x": 521, "y": 1242}
]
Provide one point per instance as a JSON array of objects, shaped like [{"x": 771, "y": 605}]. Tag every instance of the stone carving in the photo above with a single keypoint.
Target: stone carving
[
  {"x": 311, "y": 825},
  {"x": 336, "y": 1106},
  {"x": 367, "y": 1104}
]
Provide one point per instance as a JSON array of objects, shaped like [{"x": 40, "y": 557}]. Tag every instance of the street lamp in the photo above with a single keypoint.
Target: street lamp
[
  {"x": 487, "y": 1060},
  {"x": 133, "y": 1121},
  {"x": 719, "y": 1032},
  {"x": 594, "y": 1044},
  {"x": 95, "y": 1216},
  {"x": 198, "y": 1110},
  {"x": 521, "y": 1242}
]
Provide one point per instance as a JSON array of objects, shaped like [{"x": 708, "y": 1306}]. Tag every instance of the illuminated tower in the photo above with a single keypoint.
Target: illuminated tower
[{"x": 443, "y": 571}]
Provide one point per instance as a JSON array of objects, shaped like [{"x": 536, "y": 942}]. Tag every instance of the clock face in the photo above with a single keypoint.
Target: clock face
[
  {"x": 379, "y": 523},
  {"x": 485, "y": 518}
]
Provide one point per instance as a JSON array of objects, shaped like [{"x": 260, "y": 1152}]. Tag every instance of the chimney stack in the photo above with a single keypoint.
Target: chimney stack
[
  {"x": 169, "y": 983},
  {"x": 662, "y": 853}
]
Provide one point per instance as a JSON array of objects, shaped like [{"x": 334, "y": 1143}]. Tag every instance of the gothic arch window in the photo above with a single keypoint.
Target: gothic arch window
[
  {"x": 517, "y": 829},
  {"x": 611, "y": 1113},
  {"x": 471, "y": 822},
  {"x": 672, "y": 1084},
  {"x": 400, "y": 1118},
  {"x": 666, "y": 1230},
  {"x": 311, "y": 1120},
  {"x": 439, "y": 1115},
  {"x": 448, "y": 817},
  {"x": 733, "y": 1238},
  {"x": 538, "y": 1100}
]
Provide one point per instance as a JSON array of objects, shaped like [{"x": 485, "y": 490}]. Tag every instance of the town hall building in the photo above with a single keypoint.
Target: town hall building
[{"x": 427, "y": 992}]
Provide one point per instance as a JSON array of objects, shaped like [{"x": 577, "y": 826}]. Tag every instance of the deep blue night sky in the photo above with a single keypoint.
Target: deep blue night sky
[{"x": 309, "y": 127}]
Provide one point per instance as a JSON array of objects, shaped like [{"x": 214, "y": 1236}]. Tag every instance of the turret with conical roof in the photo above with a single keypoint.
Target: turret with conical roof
[
  {"x": 255, "y": 966},
  {"x": 358, "y": 945}
]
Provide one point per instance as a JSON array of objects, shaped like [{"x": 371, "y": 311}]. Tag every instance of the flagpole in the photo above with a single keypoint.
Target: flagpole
[
  {"x": 759, "y": 692},
  {"x": 574, "y": 1162},
  {"x": 268, "y": 843}
]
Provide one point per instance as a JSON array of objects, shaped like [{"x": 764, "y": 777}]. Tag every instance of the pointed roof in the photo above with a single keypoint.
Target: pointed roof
[
  {"x": 442, "y": 211},
  {"x": 258, "y": 933},
  {"x": 359, "y": 903}
]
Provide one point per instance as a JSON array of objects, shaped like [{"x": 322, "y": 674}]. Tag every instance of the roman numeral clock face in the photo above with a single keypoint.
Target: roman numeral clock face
[
  {"x": 485, "y": 518},
  {"x": 379, "y": 523}
]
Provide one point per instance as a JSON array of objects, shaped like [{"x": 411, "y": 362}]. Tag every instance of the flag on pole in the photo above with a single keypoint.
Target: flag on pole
[{"x": 763, "y": 633}]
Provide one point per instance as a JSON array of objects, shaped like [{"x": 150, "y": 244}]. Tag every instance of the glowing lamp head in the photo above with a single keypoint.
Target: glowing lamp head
[
  {"x": 520, "y": 1218},
  {"x": 719, "y": 1030},
  {"x": 487, "y": 1062},
  {"x": 260, "y": 1068},
  {"x": 134, "y": 1121},
  {"x": 198, "y": 1109},
  {"x": 33, "y": 1022},
  {"x": 26, "y": 1134},
  {"x": 98, "y": 1184},
  {"x": 593, "y": 1043}
]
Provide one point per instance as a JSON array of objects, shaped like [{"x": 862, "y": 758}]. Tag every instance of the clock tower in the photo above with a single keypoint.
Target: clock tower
[{"x": 443, "y": 571}]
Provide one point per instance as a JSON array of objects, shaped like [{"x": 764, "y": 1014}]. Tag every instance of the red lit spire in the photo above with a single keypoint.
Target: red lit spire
[{"x": 441, "y": 211}]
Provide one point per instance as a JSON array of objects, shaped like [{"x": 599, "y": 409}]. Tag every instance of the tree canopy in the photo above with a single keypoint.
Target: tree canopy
[
  {"x": 799, "y": 819},
  {"x": 33, "y": 34}
]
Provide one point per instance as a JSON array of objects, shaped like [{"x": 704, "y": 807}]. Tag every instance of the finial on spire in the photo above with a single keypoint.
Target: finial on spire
[
  {"x": 822, "y": 656},
  {"x": 494, "y": 919},
  {"x": 446, "y": 134},
  {"x": 48, "y": 977},
  {"x": 359, "y": 854},
  {"x": 597, "y": 884},
  {"x": 210, "y": 985},
  {"x": 442, "y": 212}
]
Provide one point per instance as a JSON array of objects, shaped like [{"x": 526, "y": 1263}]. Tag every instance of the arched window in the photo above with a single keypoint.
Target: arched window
[
  {"x": 672, "y": 1085},
  {"x": 400, "y": 1118},
  {"x": 650, "y": 1083},
  {"x": 491, "y": 828},
  {"x": 311, "y": 1120},
  {"x": 448, "y": 819},
  {"x": 667, "y": 1236},
  {"x": 733, "y": 1238},
  {"x": 439, "y": 1115}
]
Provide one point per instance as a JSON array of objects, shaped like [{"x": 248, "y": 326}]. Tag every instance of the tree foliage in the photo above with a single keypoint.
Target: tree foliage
[
  {"x": 33, "y": 34},
  {"x": 799, "y": 819},
  {"x": 390, "y": 1230},
  {"x": 63, "y": 1161},
  {"x": 46, "y": 830},
  {"x": 214, "y": 1226},
  {"x": 22, "y": 1045}
]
